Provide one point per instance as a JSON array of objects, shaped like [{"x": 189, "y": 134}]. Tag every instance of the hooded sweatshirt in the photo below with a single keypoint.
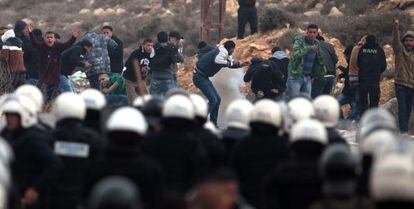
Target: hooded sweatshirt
[
  {"x": 161, "y": 64},
  {"x": 280, "y": 59},
  {"x": 371, "y": 62},
  {"x": 404, "y": 61},
  {"x": 31, "y": 55}
]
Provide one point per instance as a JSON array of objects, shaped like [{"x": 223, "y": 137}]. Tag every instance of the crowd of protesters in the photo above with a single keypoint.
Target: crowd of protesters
[{"x": 159, "y": 147}]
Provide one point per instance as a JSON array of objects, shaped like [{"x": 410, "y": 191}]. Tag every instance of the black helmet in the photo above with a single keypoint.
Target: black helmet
[
  {"x": 152, "y": 110},
  {"x": 115, "y": 192},
  {"x": 338, "y": 168}
]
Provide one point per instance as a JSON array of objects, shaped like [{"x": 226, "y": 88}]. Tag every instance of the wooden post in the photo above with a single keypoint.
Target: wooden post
[
  {"x": 222, "y": 19},
  {"x": 207, "y": 24}
]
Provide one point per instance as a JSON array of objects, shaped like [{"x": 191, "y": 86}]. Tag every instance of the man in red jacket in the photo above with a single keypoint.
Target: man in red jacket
[{"x": 50, "y": 52}]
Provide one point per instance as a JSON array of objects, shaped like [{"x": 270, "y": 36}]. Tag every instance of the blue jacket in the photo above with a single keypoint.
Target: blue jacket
[{"x": 214, "y": 60}]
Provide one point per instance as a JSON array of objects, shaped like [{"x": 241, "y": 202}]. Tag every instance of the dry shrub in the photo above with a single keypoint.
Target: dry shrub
[
  {"x": 296, "y": 8},
  {"x": 350, "y": 29},
  {"x": 287, "y": 39},
  {"x": 271, "y": 18}
]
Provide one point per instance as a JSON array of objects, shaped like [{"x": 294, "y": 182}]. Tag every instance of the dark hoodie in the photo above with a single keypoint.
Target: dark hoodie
[
  {"x": 268, "y": 77},
  {"x": 72, "y": 58},
  {"x": 31, "y": 55},
  {"x": 253, "y": 68},
  {"x": 161, "y": 64},
  {"x": 371, "y": 62}
]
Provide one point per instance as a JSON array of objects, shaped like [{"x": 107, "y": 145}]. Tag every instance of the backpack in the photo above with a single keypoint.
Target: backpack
[{"x": 260, "y": 79}]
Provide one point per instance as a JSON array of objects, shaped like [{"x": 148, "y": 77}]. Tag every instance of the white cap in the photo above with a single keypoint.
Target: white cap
[
  {"x": 300, "y": 109},
  {"x": 200, "y": 104},
  {"x": 94, "y": 99},
  {"x": 127, "y": 119},
  {"x": 327, "y": 110},
  {"x": 178, "y": 106},
  {"x": 238, "y": 114},
  {"x": 33, "y": 93},
  {"x": 22, "y": 106},
  {"x": 309, "y": 130},
  {"x": 268, "y": 112},
  {"x": 392, "y": 179},
  {"x": 69, "y": 105}
]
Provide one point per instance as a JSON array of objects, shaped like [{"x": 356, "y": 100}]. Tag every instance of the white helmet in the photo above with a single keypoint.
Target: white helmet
[
  {"x": 6, "y": 152},
  {"x": 33, "y": 93},
  {"x": 309, "y": 130},
  {"x": 5, "y": 175},
  {"x": 94, "y": 99},
  {"x": 268, "y": 112},
  {"x": 69, "y": 105},
  {"x": 127, "y": 119},
  {"x": 300, "y": 109},
  {"x": 378, "y": 115},
  {"x": 238, "y": 114},
  {"x": 178, "y": 106},
  {"x": 22, "y": 106},
  {"x": 378, "y": 142},
  {"x": 392, "y": 179},
  {"x": 327, "y": 110},
  {"x": 374, "y": 119},
  {"x": 200, "y": 104}
]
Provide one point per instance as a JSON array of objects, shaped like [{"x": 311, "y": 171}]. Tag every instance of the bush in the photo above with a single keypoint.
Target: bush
[
  {"x": 354, "y": 7},
  {"x": 287, "y": 39},
  {"x": 151, "y": 28},
  {"x": 271, "y": 19},
  {"x": 295, "y": 8},
  {"x": 350, "y": 29}
]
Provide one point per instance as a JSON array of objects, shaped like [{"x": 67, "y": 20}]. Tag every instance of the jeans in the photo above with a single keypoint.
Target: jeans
[
  {"x": 94, "y": 81},
  {"x": 368, "y": 91},
  {"x": 32, "y": 81},
  {"x": 405, "y": 96},
  {"x": 206, "y": 86},
  {"x": 299, "y": 86},
  {"x": 344, "y": 99},
  {"x": 161, "y": 86},
  {"x": 116, "y": 100},
  {"x": 318, "y": 86},
  {"x": 329, "y": 82},
  {"x": 246, "y": 15},
  {"x": 65, "y": 85}
]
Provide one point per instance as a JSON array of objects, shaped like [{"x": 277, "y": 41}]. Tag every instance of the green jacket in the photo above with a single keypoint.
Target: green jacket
[{"x": 300, "y": 48}]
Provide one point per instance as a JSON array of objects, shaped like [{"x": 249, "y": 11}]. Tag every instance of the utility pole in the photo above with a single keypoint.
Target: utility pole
[{"x": 206, "y": 19}]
